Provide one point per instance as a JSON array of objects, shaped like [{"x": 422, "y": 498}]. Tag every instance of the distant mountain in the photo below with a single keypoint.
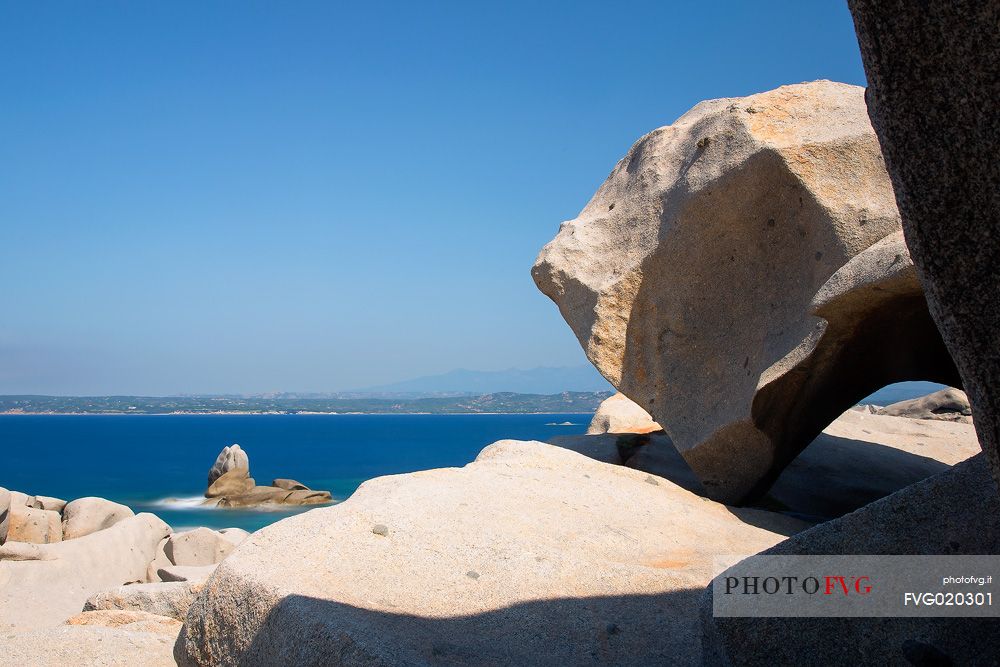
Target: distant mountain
[{"x": 532, "y": 381}]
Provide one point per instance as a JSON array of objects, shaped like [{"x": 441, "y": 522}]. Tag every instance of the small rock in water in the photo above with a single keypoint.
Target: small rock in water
[{"x": 381, "y": 530}]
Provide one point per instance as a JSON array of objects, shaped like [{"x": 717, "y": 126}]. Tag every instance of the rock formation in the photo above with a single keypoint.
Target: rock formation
[
  {"x": 932, "y": 97},
  {"x": 741, "y": 276},
  {"x": 84, "y": 516},
  {"x": 947, "y": 405},
  {"x": 171, "y": 599},
  {"x": 618, "y": 414},
  {"x": 230, "y": 485},
  {"x": 564, "y": 561}
]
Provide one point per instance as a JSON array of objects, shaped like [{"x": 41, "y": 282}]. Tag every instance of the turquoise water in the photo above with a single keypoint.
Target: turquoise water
[{"x": 159, "y": 464}]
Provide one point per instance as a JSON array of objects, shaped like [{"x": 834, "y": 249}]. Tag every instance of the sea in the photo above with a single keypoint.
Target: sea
[{"x": 159, "y": 463}]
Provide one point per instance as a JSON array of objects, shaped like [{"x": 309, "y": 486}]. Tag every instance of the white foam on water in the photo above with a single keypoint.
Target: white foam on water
[{"x": 191, "y": 502}]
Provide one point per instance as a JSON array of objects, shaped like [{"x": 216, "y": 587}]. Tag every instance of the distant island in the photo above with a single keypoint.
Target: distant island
[{"x": 501, "y": 402}]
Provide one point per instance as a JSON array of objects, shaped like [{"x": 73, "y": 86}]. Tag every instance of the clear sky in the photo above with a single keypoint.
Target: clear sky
[{"x": 210, "y": 197}]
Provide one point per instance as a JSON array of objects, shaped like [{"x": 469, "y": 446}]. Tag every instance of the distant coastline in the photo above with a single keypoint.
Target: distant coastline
[{"x": 504, "y": 403}]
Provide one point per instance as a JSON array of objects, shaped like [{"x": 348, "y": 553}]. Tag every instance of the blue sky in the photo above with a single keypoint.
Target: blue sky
[{"x": 245, "y": 196}]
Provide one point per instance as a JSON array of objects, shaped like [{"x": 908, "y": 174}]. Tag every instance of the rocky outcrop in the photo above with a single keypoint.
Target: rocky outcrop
[
  {"x": 933, "y": 87},
  {"x": 618, "y": 414},
  {"x": 956, "y": 512},
  {"x": 91, "y": 644},
  {"x": 49, "y": 503},
  {"x": 84, "y": 516},
  {"x": 741, "y": 276},
  {"x": 30, "y": 524},
  {"x": 565, "y": 561},
  {"x": 230, "y": 485},
  {"x": 947, "y": 405},
  {"x": 229, "y": 459},
  {"x": 45, "y": 592},
  {"x": 201, "y": 546},
  {"x": 171, "y": 599}
]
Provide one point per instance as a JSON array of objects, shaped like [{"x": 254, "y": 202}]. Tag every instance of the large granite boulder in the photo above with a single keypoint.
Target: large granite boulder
[
  {"x": 171, "y": 599},
  {"x": 565, "y": 560},
  {"x": 741, "y": 276},
  {"x": 956, "y": 512},
  {"x": 126, "y": 645},
  {"x": 932, "y": 96},
  {"x": 84, "y": 516},
  {"x": 34, "y": 525},
  {"x": 230, "y": 458},
  {"x": 53, "y": 587},
  {"x": 201, "y": 546},
  {"x": 948, "y": 404},
  {"x": 619, "y": 414}
]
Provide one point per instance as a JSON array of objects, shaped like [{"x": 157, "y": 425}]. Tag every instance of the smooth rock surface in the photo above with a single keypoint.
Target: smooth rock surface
[
  {"x": 49, "y": 503},
  {"x": 711, "y": 280},
  {"x": 91, "y": 645},
  {"x": 172, "y": 599},
  {"x": 84, "y": 516},
  {"x": 201, "y": 546},
  {"x": 948, "y": 404},
  {"x": 34, "y": 525},
  {"x": 230, "y": 458},
  {"x": 565, "y": 561},
  {"x": 231, "y": 483},
  {"x": 235, "y": 535},
  {"x": 160, "y": 559},
  {"x": 932, "y": 96},
  {"x": 39, "y": 593},
  {"x": 956, "y": 512},
  {"x": 619, "y": 414},
  {"x": 185, "y": 573}
]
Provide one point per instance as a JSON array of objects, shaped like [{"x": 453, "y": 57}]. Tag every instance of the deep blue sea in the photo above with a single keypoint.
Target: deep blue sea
[{"x": 159, "y": 463}]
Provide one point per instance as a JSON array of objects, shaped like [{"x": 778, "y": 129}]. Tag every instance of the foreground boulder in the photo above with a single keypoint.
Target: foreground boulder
[
  {"x": 201, "y": 546},
  {"x": 711, "y": 280},
  {"x": 618, "y": 414},
  {"x": 566, "y": 560},
  {"x": 84, "y": 516},
  {"x": 47, "y": 591},
  {"x": 34, "y": 525},
  {"x": 956, "y": 512},
  {"x": 126, "y": 645},
  {"x": 933, "y": 87}
]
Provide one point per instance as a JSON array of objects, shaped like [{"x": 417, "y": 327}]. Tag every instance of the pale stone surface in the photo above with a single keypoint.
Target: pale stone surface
[
  {"x": 230, "y": 458},
  {"x": 565, "y": 560},
  {"x": 23, "y": 551},
  {"x": 34, "y": 525},
  {"x": 201, "y": 546},
  {"x": 84, "y": 516},
  {"x": 37, "y": 593},
  {"x": 186, "y": 573},
  {"x": 90, "y": 645},
  {"x": 696, "y": 279},
  {"x": 170, "y": 599},
  {"x": 947, "y": 404},
  {"x": 955, "y": 512},
  {"x": 619, "y": 414},
  {"x": 133, "y": 620},
  {"x": 235, "y": 535},
  {"x": 159, "y": 560},
  {"x": 49, "y": 503}
]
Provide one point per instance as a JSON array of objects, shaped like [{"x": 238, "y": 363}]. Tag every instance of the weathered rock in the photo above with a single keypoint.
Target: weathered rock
[
  {"x": 232, "y": 483},
  {"x": 170, "y": 599},
  {"x": 49, "y": 503},
  {"x": 235, "y": 535},
  {"x": 289, "y": 485},
  {"x": 89, "y": 645},
  {"x": 136, "y": 621},
  {"x": 4, "y": 513},
  {"x": 186, "y": 573},
  {"x": 618, "y": 414},
  {"x": 307, "y": 497},
  {"x": 271, "y": 495},
  {"x": 933, "y": 87},
  {"x": 23, "y": 551},
  {"x": 948, "y": 404},
  {"x": 44, "y": 592},
  {"x": 565, "y": 561},
  {"x": 230, "y": 458},
  {"x": 37, "y": 526},
  {"x": 710, "y": 279},
  {"x": 201, "y": 546},
  {"x": 84, "y": 516},
  {"x": 954, "y": 512},
  {"x": 159, "y": 560}
]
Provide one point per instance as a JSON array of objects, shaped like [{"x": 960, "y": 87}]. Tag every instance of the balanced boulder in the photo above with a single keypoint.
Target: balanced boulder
[
  {"x": 741, "y": 276},
  {"x": 84, "y": 516},
  {"x": 230, "y": 458},
  {"x": 618, "y": 414}
]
